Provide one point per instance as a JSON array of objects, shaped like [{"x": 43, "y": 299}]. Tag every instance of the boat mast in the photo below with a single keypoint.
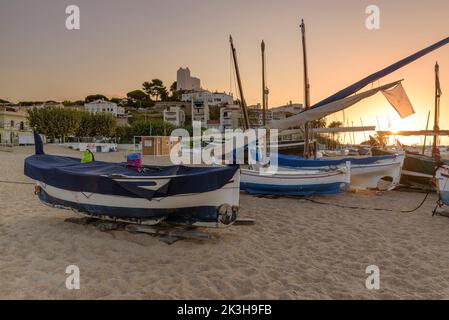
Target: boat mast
[
  {"x": 264, "y": 86},
  {"x": 425, "y": 136},
  {"x": 239, "y": 82},
  {"x": 306, "y": 90},
  {"x": 436, "y": 126}
]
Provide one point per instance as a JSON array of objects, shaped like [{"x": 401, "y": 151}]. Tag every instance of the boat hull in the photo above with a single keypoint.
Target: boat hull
[
  {"x": 442, "y": 183},
  {"x": 294, "y": 182},
  {"x": 210, "y": 209},
  {"x": 370, "y": 175},
  {"x": 366, "y": 175}
]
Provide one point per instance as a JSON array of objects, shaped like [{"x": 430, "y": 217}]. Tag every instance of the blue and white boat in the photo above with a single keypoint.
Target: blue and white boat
[
  {"x": 442, "y": 183},
  {"x": 366, "y": 172},
  {"x": 294, "y": 182},
  {"x": 198, "y": 196}
]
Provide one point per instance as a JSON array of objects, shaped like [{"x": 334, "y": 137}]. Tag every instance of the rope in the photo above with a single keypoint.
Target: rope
[
  {"x": 16, "y": 182},
  {"x": 365, "y": 208}
]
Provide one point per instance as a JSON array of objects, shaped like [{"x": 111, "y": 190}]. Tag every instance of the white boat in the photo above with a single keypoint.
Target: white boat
[
  {"x": 366, "y": 172},
  {"x": 371, "y": 176},
  {"x": 442, "y": 182},
  {"x": 294, "y": 182}
]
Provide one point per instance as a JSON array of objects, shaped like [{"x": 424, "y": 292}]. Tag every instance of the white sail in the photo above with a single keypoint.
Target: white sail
[{"x": 330, "y": 108}]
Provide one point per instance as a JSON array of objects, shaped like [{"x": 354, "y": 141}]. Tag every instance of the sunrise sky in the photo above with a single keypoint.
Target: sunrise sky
[{"x": 124, "y": 43}]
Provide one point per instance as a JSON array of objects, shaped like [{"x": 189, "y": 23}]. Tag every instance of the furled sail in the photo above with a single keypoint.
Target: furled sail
[
  {"x": 380, "y": 74},
  {"x": 318, "y": 113}
]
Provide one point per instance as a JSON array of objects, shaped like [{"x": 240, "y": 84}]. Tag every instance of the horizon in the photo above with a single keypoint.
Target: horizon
[{"x": 121, "y": 45}]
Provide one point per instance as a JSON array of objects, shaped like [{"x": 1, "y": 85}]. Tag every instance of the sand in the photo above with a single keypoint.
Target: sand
[{"x": 296, "y": 250}]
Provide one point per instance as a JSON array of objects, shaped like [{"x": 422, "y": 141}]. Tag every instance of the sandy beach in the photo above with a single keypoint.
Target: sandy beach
[{"x": 296, "y": 249}]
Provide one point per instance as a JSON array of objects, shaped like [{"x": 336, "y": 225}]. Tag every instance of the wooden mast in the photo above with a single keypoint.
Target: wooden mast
[
  {"x": 264, "y": 86},
  {"x": 306, "y": 90},
  {"x": 436, "y": 126},
  {"x": 239, "y": 82},
  {"x": 425, "y": 137}
]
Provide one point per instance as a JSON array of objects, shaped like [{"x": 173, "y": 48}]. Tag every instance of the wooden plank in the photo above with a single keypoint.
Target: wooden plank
[
  {"x": 172, "y": 232},
  {"x": 244, "y": 222},
  {"x": 169, "y": 239},
  {"x": 104, "y": 226},
  {"x": 82, "y": 221}
]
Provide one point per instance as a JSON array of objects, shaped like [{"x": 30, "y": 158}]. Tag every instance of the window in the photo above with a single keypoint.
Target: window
[{"x": 12, "y": 124}]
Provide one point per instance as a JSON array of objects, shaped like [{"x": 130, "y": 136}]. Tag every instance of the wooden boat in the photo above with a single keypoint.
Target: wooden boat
[
  {"x": 294, "y": 182},
  {"x": 366, "y": 172},
  {"x": 417, "y": 171},
  {"x": 199, "y": 196},
  {"x": 442, "y": 184}
]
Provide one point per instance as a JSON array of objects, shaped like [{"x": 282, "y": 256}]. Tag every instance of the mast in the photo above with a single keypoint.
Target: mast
[
  {"x": 306, "y": 89},
  {"x": 239, "y": 82},
  {"x": 264, "y": 86},
  {"x": 436, "y": 126},
  {"x": 425, "y": 137}
]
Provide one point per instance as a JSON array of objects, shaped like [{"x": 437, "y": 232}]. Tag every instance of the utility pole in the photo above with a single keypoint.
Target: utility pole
[{"x": 306, "y": 90}]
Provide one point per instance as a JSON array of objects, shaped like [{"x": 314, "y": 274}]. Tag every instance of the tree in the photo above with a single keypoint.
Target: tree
[
  {"x": 61, "y": 123},
  {"x": 137, "y": 95},
  {"x": 320, "y": 123},
  {"x": 156, "y": 89},
  {"x": 68, "y": 103},
  {"x": 4, "y": 101},
  {"x": 94, "y": 97},
  {"x": 155, "y": 127},
  {"x": 176, "y": 95},
  {"x": 55, "y": 122},
  {"x": 174, "y": 87},
  {"x": 335, "y": 124}
]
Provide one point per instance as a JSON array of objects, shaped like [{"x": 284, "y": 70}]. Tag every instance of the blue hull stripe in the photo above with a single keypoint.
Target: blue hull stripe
[
  {"x": 181, "y": 215},
  {"x": 297, "y": 190},
  {"x": 444, "y": 196}
]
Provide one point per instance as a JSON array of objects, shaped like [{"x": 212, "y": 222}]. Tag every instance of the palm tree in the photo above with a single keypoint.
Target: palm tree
[{"x": 335, "y": 124}]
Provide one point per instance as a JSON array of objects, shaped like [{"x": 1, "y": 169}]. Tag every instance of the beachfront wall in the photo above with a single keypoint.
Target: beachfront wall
[{"x": 94, "y": 147}]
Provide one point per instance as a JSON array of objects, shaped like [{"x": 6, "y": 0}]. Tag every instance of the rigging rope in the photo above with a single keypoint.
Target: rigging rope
[
  {"x": 365, "y": 208},
  {"x": 16, "y": 182}
]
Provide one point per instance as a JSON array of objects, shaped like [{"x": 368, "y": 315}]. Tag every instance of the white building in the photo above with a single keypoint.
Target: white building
[
  {"x": 255, "y": 114},
  {"x": 287, "y": 110},
  {"x": 101, "y": 105},
  {"x": 230, "y": 117},
  {"x": 175, "y": 116},
  {"x": 200, "y": 112},
  {"x": 186, "y": 82},
  {"x": 212, "y": 98}
]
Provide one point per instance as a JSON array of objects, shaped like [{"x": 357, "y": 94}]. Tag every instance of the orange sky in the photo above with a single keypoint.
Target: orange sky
[{"x": 124, "y": 43}]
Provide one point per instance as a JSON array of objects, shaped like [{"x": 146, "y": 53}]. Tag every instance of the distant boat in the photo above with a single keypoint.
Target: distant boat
[
  {"x": 442, "y": 183},
  {"x": 366, "y": 172},
  {"x": 197, "y": 196},
  {"x": 287, "y": 182}
]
